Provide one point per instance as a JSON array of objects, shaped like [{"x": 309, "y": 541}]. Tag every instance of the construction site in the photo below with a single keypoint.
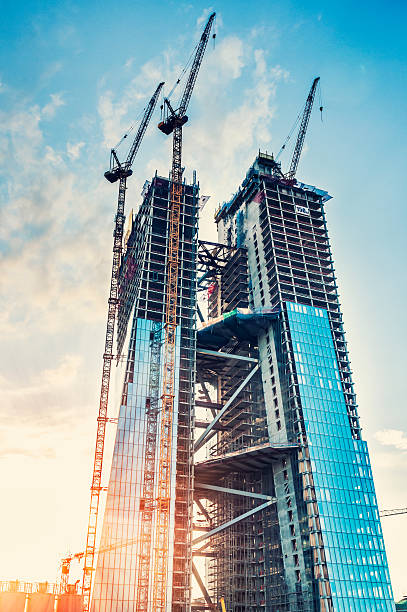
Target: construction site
[{"x": 239, "y": 480}]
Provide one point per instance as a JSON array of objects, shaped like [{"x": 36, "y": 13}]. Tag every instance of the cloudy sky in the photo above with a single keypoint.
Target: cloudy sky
[{"x": 74, "y": 77}]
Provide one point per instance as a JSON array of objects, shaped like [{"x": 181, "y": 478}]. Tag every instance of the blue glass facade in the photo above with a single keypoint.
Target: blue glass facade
[
  {"x": 326, "y": 546},
  {"x": 352, "y": 535},
  {"x": 116, "y": 579},
  {"x": 142, "y": 290}
]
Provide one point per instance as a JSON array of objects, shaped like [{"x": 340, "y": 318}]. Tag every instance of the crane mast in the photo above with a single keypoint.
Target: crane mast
[
  {"x": 303, "y": 130},
  {"x": 117, "y": 172},
  {"x": 173, "y": 124},
  {"x": 167, "y": 398}
]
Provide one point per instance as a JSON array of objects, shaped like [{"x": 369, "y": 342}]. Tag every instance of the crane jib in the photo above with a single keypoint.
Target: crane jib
[
  {"x": 124, "y": 170},
  {"x": 303, "y": 130},
  {"x": 155, "y": 582}
]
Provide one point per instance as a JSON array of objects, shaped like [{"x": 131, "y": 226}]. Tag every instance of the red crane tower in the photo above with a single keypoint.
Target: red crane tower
[
  {"x": 172, "y": 124},
  {"x": 117, "y": 172}
]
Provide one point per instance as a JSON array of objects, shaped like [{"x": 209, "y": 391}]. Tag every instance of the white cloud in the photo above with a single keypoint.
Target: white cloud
[
  {"x": 230, "y": 112},
  {"x": 129, "y": 63},
  {"x": 64, "y": 374},
  {"x": 41, "y": 401},
  {"x": 230, "y": 58},
  {"x": 203, "y": 18},
  {"x": 50, "y": 109},
  {"x": 38, "y": 413},
  {"x": 279, "y": 73},
  {"x": 53, "y": 228},
  {"x": 52, "y": 157},
  {"x": 112, "y": 115},
  {"x": 261, "y": 65},
  {"x": 234, "y": 71},
  {"x": 392, "y": 437},
  {"x": 74, "y": 150},
  {"x": 51, "y": 71}
]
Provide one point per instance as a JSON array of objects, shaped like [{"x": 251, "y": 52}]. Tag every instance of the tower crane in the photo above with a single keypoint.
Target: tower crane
[
  {"x": 303, "y": 130},
  {"x": 172, "y": 124},
  {"x": 65, "y": 567},
  {"x": 66, "y": 561},
  {"x": 117, "y": 172}
]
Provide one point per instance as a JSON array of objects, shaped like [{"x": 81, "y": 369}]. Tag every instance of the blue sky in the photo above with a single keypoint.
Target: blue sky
[{"x": 74, "y": 76}]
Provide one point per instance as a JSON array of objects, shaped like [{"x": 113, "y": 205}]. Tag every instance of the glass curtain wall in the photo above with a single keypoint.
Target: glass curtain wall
[
  {"x": 116, "y": 579},
  {"x": 341, "y": 470}
]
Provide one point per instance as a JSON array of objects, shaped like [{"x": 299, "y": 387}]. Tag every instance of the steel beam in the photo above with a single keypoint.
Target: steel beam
[
  {"x": 232, "y": 522},
  {"x": 226, "y": 355},
  {"x": 204, "y": 424},
  {"x": 202, "y": 439},
  {"x": 203, "y": 510},
  {"x": 201, "y": 485},
  {"x": 203, "y": 277},
  {"x": 205, "y": 392},
  {"x": 204, "y": 553},
  {"x": 209, "y": 404},
  {"x": 201, "y": 585},
  {"x": 200, "y": 551}
]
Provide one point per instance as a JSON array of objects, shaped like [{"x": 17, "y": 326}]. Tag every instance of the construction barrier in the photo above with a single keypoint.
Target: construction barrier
[
  {"x": 70, "y": 602},
  {"x": 12, "y": 602},
  {"x": 41, "y": 602}
]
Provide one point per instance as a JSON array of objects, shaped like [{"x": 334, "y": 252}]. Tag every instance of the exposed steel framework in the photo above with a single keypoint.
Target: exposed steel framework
[
  {"x": 167, "y": 398},
  {"x": 173, "y": 124},
  {"x": 147, "y": 503},
  {"x": 117, "y": 172}
]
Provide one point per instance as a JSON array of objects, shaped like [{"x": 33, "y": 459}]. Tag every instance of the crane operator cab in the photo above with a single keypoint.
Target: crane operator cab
[
  {"x": 169, "y": 124},
  {"x": 114, "y": 174}
]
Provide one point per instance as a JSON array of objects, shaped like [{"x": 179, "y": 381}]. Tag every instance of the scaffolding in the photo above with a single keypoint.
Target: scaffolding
[
  {"x": 147, "y": 245},
  {"x": 147, "y": 499},
  {"x": 245, "y": 560},
  {"x": 241, "y": 499}
]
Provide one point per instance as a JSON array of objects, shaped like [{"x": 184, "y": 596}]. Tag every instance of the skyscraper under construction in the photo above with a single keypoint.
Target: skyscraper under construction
[
  {"x": 287, "y": 473},
  {"x": 123, "y": 574},
  {"x": 272, "y": 502},
  {"x": 238, "y": 456}
]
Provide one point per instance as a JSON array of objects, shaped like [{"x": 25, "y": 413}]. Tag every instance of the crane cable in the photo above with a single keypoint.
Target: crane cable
[
  {"x": 298, "y": 120},
  {"x": 291, "y": 132},
  {"x": 321, "y": 108},
  {"x": 183, "y": 71},
  {"x": 392, "y": 512},
  {"x": 131, "y": 128},
  {"x": 177, "y": 82}
]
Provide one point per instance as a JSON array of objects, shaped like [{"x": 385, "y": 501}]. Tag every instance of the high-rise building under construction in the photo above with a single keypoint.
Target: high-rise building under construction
[
  {"x": 272, "y": 504},
  {"x": 123, "y": 573},
  {"x": 304, "y": 532}
]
